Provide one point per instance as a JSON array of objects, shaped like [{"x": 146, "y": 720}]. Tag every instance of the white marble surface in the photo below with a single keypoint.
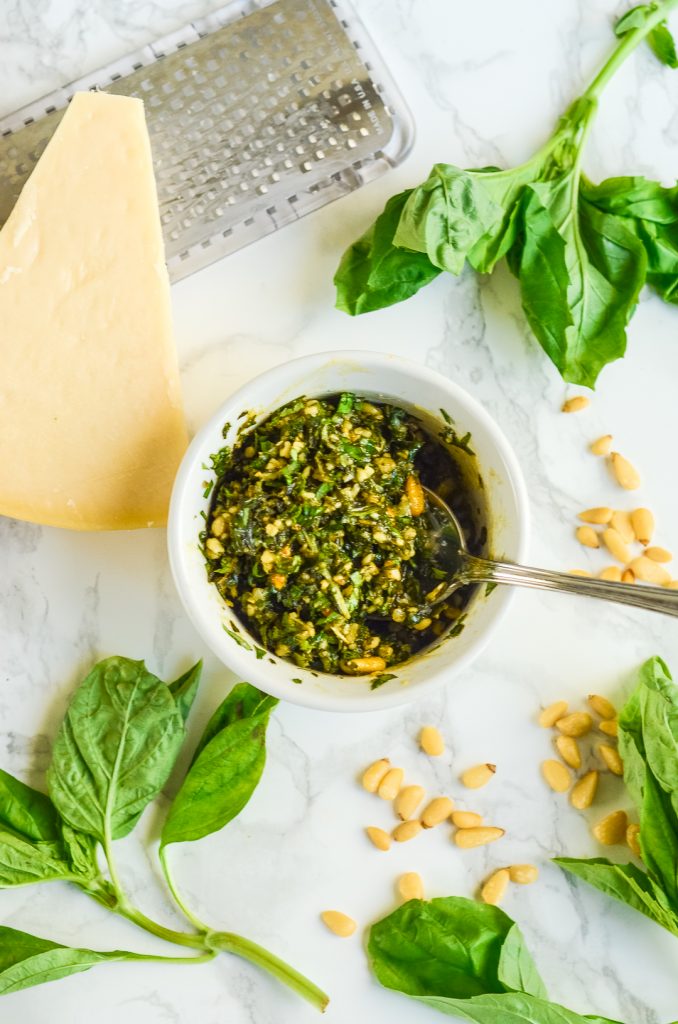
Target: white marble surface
[{"x": 485, "y": 82}]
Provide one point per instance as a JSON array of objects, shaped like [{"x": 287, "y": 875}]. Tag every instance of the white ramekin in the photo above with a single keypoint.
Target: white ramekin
[{"x": 382, "y": 377}]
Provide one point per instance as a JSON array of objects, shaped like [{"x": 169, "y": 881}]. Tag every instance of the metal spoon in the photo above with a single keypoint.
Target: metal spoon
[{"x": 449, "y": 553}]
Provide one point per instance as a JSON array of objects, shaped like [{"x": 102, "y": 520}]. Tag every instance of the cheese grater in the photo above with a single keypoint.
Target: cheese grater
[{"x": 257, "y": 114}]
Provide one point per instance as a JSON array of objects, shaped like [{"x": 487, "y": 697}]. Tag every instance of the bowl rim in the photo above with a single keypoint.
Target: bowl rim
[{"x": 269, "y": 678}]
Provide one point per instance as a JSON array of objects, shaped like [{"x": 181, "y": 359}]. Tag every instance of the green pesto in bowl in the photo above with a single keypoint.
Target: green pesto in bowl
[{"x": 314, "y": 535}]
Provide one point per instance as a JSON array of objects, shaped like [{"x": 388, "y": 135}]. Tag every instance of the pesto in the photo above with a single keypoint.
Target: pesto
[{"x": 315, "y": 540}]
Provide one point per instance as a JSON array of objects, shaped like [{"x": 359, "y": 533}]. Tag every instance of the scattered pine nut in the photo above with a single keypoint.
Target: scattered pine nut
[
  {"x": 479, "y": 775},
  {"x": 659, "y": 554},
  {"x": 611, "y": 829},
  {"x": 612, "y": 572},
  {"x": 338, "y": 923},
  {"x": 587, "y": 536},
  {"x": 568, "y": 748},
  {"x": 576, "y": 724},
  {"x": 365, "y": 666},
  {"x": 468, "y": 838},
  {"x": 410, "y": 886},
  {"x": 616, "y": 546},
  {"x": 649, "y": 572},
  {"x": 633, "y": 838},
  {"x": 621, "y": 522},
  {"x": 389, "y": 787},
  {"x": 523, "y": 874},
  {"x": 601, "y": 705},
  {"x": 466, "y": 819},
  {"x": 576, "y": 404},
  {"x": 407, "y": 801},
  {"x": 642, "y": 521},
  {"x": 579, "y": 572},
  {"x": 603, "y": 445},
  {"x": 609, "y": 726},
  {"x": 378, "y": 837},
  {"x": 556, "y": 775},
  {"x": 407, "y": 830},
  {"x": 598, "y": 516},
  {"x": 373, "y": 775},
  {"x": 610, "y": 755},
  {"x": 628, "y": 575},
  {"x": 415, "y": 495},
  {"x": 550, "y": 715},
  {"x": 584, "y": 791},
  {"x": 431, "y": 742},
  {"x": 495, "y": 887},
  {"x": 439, "y": 808},
  {"x": 626, "y": 475}
]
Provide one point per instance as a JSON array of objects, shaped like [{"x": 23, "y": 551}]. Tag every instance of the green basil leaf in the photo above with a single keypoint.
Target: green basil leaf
[
  {"x": 634, "y": 18},
  {"x": 185, "y": 688},
  {"x": 659, "y": 38},
  {"x": 226, "y": 770},
  {"x": 626, "y": 883},
  {"x": 80, "y": 851},
  {"x": 580, "y": 274},
  {"x": 27, "y": 960},
  {"x": 659, "y": 838},
  {"x": 27, "y": 811},
  {"x": 115, "y": 749},
  {"x": 23, "y": 862},
  {"x": 373, "y": 273},
  {"x": 509, "y": 1008},
  {"x": 517, "y": 971}
]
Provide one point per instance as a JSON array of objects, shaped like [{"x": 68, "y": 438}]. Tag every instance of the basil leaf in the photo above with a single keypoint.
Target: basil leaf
[
  {"x": 115, "y": 749},
  {"x": 23, "y": 862},
  {"x": 660, "y": 38},
  {"x": 27, "y": 960},
  {"x": 27, "y": 811},
  {"x": 627, "y": 883},
  {"x": 373, "y": 273},
  {"x": 517, "y": 971},
  {"x": 185, "y": 688},
  {"x": 580, "y": 274},
  {"x": 225, "y": 771},
  {"x": 509, "y": 1008},
  {"x": 658, "y": 838},
  {"x": 80, "y": 851}
]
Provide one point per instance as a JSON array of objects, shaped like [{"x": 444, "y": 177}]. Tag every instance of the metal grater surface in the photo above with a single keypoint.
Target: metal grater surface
[{"x": 257, "y": 114}]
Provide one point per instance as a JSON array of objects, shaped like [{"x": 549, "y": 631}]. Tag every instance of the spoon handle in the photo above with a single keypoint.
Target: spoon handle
[{"x": 656, "y": 599}]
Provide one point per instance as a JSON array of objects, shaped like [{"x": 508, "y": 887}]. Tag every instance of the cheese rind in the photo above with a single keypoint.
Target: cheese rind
[{"x": 91, "y": 421}]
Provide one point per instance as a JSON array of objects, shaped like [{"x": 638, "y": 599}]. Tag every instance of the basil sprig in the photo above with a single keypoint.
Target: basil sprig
[
  {"x": 113, "y": 754},
  {"x": 581, "y": 252}
]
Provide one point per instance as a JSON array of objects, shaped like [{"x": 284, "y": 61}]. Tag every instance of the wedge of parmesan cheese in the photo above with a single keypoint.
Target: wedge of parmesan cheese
[{"x": 91, "y": 420}]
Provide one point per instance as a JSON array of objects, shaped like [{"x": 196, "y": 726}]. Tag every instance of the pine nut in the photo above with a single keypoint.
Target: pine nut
[
  {"x": 407, "y": 801},
  {"x": 556, "y": 775},
  {"x": 633, "y": 839},
  {"x": 642, "y": 521},
  {"x": 466, "y": 819},
  {"x": 612, "y": 572},
  {"x": 468, "y": 838},
  {"x": 625, "y": 474},
  {"x": 378, "y": 837},
  {"x": 431, "y": 742},
  {"x": 576, "y": 724},
  {"x": 214, "y": 548},
  {"x": 407, "y": 830},
  {"x": 440, "y": 808},
  {"x": 584, "y": 791},
  {"x": 365, "y": 666},
  {"x": 649, "y": 572},
  {"x": 568, "y": 748},
  {"x": 610, "y": 755},
  {"x": 621, "y": 522},
  {"x": 628, "y": 576},
  {"x": 580, "y": 572},
  {"x": 479, "y": 775},
  {"x": 598, "y": 516},
  {"x": 373, "y": 775},
  {"x": 338, "y": 923},
  {"x": 616, "y": 546},
  {"x": 410, "y": 886},
  {"x": 659, "y": 554},
  {"x": 601, "y": 705},
  {"x": 609, "y": 726},
  {"x": 523, "y": 874},
  {"x": 550, "y": 715},
  {"x": 495, "y": 887},
  {"x": 611, "y": 829},
  {"x": 415, "y": 495},
  {"x": 587, "y": 536},
  {"x": 603, "y": 445},
  {"x": 575, "y": 404},
  {"x": 389, "y": 787}
]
